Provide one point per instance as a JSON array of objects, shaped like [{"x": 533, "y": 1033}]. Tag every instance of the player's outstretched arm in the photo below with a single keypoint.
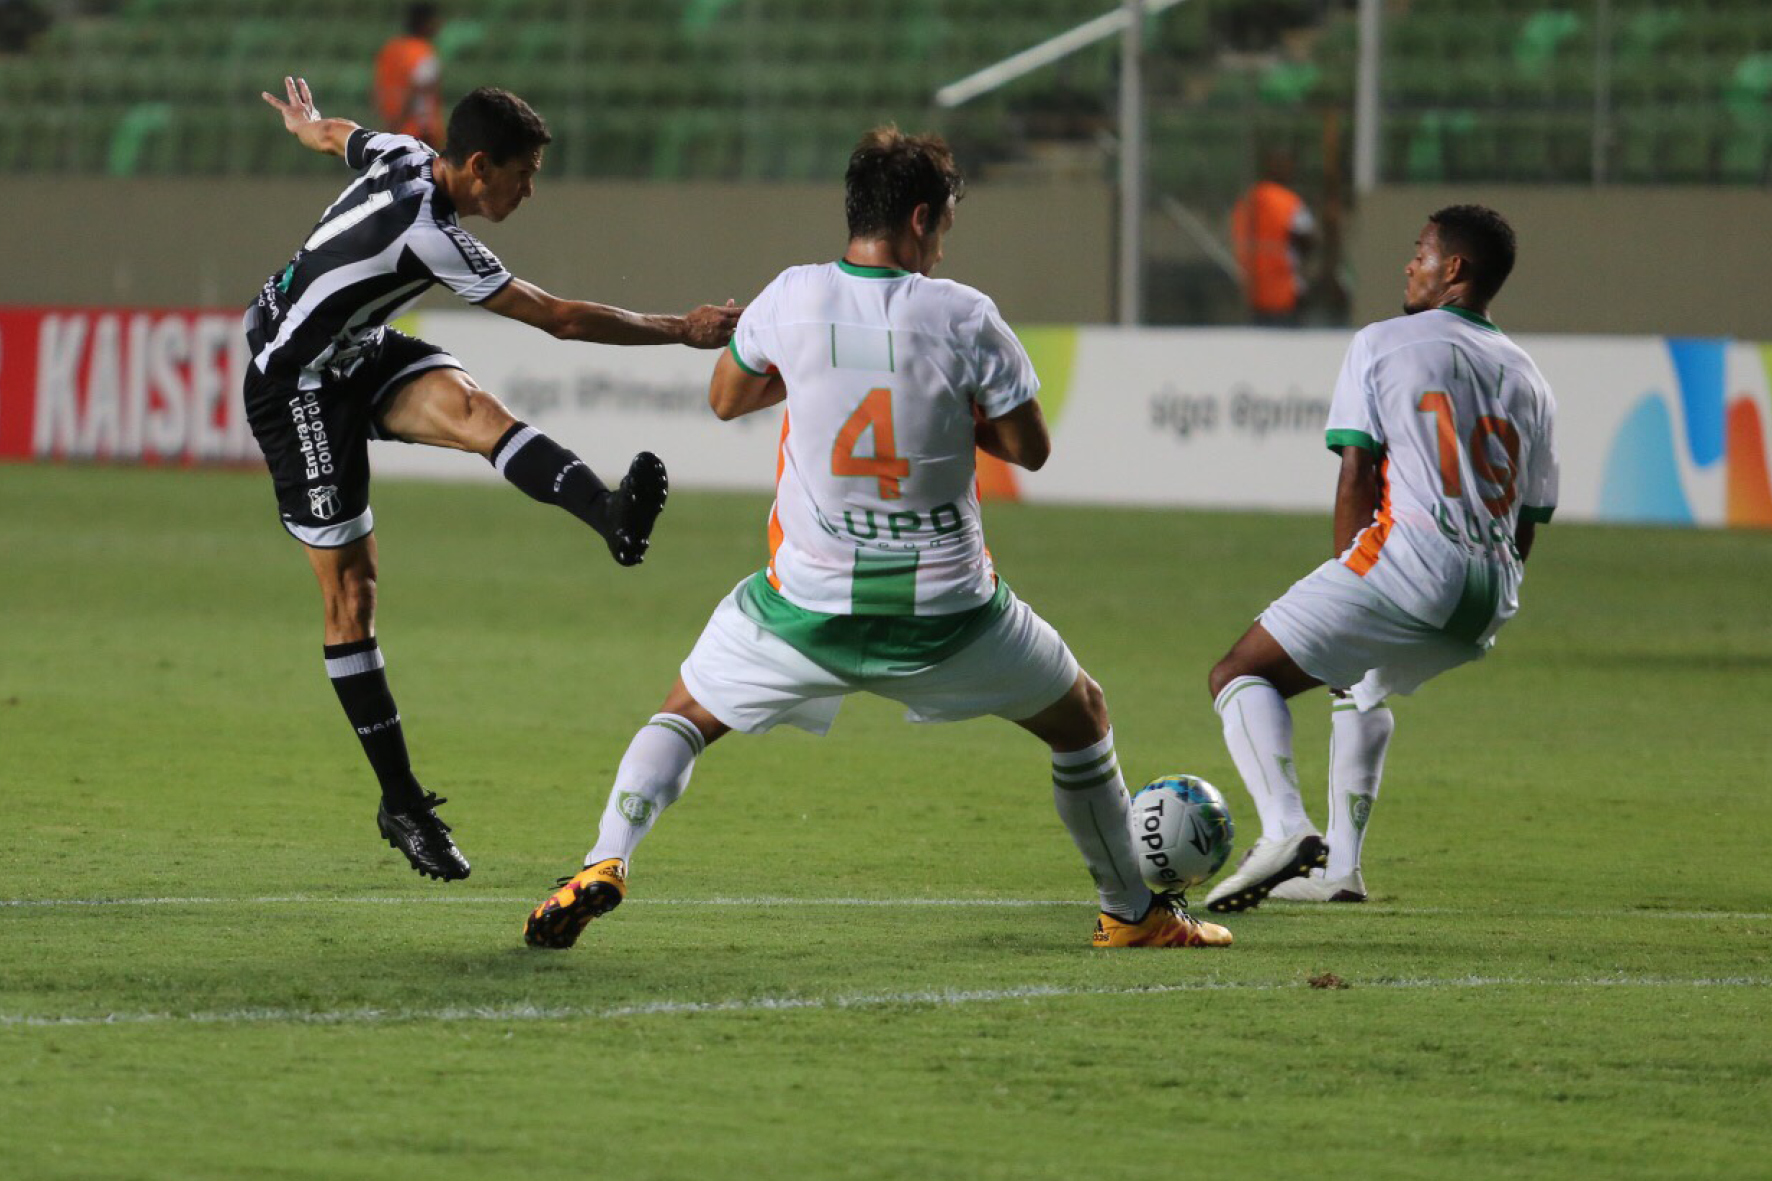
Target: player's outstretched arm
[
  {"x": 707, "y": 327},
  {"x": 1019, "y": 437},
  {"x": 734, "y": 392},
  {"x": 302, "y": 119}
]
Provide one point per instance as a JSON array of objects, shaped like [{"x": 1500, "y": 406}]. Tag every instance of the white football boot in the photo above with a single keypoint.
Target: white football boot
[
  {"x": 1264, "y": 866},
  {"x": 1315, "y": 887}
]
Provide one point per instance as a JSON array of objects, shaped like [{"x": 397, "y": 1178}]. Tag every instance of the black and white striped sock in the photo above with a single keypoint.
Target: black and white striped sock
[
  {"x": 359, "y": 677},
  {"x": 547, "y": 472}
]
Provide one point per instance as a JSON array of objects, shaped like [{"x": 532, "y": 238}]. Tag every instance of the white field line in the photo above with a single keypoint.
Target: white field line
[
  {"x": 1289, "y": 910},
  {"x": 931, "y": 997}
]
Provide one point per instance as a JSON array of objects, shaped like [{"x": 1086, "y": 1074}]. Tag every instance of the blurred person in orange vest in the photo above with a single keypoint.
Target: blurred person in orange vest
[
  {"x": 1273, "y": 231},
  {"x": 408, "y": 91}
]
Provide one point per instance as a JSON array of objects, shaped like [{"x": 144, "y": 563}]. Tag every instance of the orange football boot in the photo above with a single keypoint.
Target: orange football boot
[
  {"x": 589, "y": 894},
  {"x": 1166, "y": 924}
]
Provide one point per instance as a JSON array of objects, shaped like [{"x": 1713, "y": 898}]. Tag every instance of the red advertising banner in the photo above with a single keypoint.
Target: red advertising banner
[{"x": 159, "y": 386}]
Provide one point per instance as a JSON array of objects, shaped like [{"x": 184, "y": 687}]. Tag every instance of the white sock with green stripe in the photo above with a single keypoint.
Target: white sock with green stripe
[
  {"x": 1357, "y": 744},
  {"x": 1258, "y": 731},
  {"x": 651, "y": 778},
  {"x": 1091, "y": 797}
]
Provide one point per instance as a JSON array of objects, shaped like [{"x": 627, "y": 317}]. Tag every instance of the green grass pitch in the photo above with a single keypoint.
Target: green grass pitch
[{"x": 1566, "y": 969}]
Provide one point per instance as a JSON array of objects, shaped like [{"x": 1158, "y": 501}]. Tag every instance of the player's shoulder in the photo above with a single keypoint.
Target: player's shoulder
[
  {"x": 800, "y": 282},
  {"x": 948, "y": 303},
  {"x": 802, "y": 275},
  {"x": 1382, "y": 336},
  {"x": 386, "y": 148},
  {"x": 954, "y": 292}
]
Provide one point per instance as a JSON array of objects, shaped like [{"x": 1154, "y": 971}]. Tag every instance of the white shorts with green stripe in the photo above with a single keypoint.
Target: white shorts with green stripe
[
  {"x": 1349, "y": 636},
  {"x": 752, "y": 679}
]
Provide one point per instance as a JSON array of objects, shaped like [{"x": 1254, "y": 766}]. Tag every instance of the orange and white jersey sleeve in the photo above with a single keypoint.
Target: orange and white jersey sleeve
[
  {"x": 1461, "y": 422},
  {"x": 876, "y": 506},
  {"x": 753, "y": 341}
]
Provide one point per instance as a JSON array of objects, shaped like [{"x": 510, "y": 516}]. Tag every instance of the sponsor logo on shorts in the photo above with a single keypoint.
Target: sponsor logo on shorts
[
  {"x": 323, "y": 502},
  {"x": 310, "y": 431}
]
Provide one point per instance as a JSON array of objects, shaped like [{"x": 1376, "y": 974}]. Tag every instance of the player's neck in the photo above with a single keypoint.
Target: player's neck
[
  {"x": 457, "y": 185},
  {"x": 877, "y": 252},
  {"x": 1464, "y": 302}
]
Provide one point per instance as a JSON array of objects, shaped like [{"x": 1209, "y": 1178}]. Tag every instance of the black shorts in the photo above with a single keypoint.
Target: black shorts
[{"x": 316, "y": 441}]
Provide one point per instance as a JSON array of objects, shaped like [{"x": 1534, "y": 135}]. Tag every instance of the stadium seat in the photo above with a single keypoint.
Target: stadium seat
[
  {"x": 132, "y": 131},
  {"x": 1516, "y": 66}
]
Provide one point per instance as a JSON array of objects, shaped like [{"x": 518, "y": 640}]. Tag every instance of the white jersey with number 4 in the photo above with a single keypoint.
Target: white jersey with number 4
[
  {"x": 876, "y": 499},
  {"x": 1461, "y": 421}
]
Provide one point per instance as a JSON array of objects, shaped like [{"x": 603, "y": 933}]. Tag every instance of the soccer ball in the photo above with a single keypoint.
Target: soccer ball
[{"x": 1182, "y": 831}]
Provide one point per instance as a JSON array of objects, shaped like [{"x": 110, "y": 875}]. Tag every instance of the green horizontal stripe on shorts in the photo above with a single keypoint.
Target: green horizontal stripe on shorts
[{"x": 865, "y": 646}]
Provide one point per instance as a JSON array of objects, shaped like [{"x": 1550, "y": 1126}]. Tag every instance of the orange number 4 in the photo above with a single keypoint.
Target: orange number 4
[
  {"x": 1436, "y": 403},
  {"x": 884, "y": 464}
]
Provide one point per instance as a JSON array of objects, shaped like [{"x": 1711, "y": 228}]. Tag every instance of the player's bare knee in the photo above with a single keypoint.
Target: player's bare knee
[
  {"x": 1094, "y": 703},
  {"x": 484, "y": 421},
  {"x": 1223, "y": 672},
  {"x": 1079, "y": 720}
]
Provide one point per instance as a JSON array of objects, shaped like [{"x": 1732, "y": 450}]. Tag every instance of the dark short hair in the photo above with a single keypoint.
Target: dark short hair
[
  {"x": 496, "y": 122},
  {"x": 891, "y": 173},
  {"x": 419, "y": 17},
  {"x": 1483, "y": 239}
]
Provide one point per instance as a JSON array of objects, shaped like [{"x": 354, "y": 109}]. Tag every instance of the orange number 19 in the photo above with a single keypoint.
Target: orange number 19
[{"x": 1436, "y": 403}]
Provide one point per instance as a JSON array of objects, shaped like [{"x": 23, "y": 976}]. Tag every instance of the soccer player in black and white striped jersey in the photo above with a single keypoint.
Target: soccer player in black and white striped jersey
[{"x": 327, "y": 375}]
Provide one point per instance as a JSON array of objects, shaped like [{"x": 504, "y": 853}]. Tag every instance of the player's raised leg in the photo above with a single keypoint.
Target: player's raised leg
[
  {"x": 653, "y": 775},
  {"x": 1090, "y": 794},
  {"x": 445, "y": 408},
  {"x": 407, "y": 816},
  {"x": 1249, "y": 690}
]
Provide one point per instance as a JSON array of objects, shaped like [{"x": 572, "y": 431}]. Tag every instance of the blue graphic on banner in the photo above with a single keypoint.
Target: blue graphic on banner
[
  {"x": 1699, "y": 363},
  {"x": 1642, "y": 481}
]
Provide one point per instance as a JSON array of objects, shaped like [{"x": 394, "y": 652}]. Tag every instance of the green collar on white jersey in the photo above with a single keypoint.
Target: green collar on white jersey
[
  {"x": 861, "y": 272},
  {"x": 1467, "y": 314}
]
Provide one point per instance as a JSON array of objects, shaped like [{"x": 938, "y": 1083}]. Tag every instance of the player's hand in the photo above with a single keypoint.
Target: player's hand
[
  {"x": 710, "y": 327},
  {"x": 299, "y": 111}
]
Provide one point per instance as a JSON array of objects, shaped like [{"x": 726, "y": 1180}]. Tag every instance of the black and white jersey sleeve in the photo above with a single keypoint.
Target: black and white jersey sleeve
[
  {"x": 457, "y": 259},
  {"x": 365, "y": 147}
]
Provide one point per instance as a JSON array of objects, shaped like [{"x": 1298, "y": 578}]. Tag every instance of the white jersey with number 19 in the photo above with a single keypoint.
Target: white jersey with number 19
[
  {"x": 1461, "y": 421},
  {"x": 876, "y": 500}
]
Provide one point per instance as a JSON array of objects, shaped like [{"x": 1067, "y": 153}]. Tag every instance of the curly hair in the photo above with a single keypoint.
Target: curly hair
[
  {"x": 1484, "y": 239},
  {"x": 891, "y": 173}
]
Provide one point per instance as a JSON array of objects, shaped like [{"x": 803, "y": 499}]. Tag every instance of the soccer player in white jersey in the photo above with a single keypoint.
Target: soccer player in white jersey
[
  {"x": 1448, "y": 465},
  {"x": 878, "y": 579}
]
